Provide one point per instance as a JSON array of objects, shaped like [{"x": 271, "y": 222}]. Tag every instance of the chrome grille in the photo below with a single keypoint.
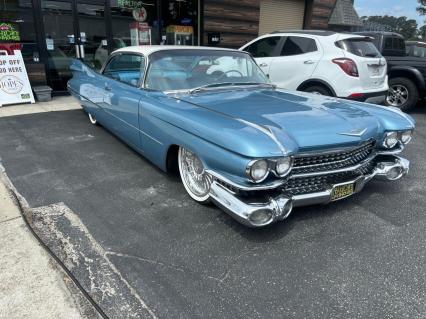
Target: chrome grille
[
  {"x": 331, "y": 160},
  {"x": 313, "y": 184}
]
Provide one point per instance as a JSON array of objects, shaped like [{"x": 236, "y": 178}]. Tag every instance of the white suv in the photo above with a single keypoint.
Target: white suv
[{"x": 323, "y": 62}]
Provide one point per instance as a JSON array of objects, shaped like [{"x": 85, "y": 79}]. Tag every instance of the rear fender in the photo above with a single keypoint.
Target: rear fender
[{"x": 86, "y": 85}]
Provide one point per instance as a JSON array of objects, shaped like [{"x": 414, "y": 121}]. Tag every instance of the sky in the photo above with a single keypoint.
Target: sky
[{"x": 389, "y": 7}]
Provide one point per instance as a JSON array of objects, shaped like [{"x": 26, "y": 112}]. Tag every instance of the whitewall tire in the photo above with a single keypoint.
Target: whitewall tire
[
  {"x": 194, "y": 178},
  {"x": 92, "y": 119}
]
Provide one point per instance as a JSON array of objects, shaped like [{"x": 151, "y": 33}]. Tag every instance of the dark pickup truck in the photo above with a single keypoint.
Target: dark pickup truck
[{"x": 406, "y": 73}]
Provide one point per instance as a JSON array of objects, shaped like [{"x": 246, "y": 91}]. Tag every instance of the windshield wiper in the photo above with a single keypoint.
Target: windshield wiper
[{"x": 213, "y": 85}]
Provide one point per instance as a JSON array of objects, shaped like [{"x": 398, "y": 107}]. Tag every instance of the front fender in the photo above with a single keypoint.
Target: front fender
[
  {"x": 236, "y": 136},
  {"x": 390, "y": 118}
]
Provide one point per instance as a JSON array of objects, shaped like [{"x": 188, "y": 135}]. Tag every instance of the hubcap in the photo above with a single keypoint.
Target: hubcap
[
  {"x": 194, "y": 177},
  {"x": 397, "y": 96}
]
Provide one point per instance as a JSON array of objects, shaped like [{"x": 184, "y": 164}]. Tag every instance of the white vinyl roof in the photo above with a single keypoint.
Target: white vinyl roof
[{"x": 148, "y": 49}]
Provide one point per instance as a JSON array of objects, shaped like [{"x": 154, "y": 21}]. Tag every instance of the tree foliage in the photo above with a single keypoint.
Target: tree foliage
[
  {"x": 422, "y": 7},
  {"x": 402, "y": 25}
]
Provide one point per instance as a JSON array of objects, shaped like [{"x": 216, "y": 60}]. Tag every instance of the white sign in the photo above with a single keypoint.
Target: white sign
[
  {"x": 140, "y": 14},
  {"x": 14, "y": 84}
]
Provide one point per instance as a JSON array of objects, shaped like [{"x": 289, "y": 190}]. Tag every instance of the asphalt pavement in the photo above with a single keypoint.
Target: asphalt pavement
[{"x": 142, "y": 248}]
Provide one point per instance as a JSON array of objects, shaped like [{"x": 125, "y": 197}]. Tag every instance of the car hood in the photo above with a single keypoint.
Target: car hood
[{"x": 296, "y": 121}]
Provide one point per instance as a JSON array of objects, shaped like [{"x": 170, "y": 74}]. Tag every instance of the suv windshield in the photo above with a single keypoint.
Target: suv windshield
[
  {"x": 186, "y": 69},
  {"x": 359, "y": 46}
]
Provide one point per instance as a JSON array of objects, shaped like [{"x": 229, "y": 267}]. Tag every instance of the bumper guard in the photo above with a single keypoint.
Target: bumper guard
[{"x": 259, "y": 213}]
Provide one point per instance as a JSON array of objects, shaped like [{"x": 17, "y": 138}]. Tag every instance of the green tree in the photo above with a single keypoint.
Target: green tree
[
  {"x": 422, "y": 7},
  {"x": 422, "y": 32},
  {"x": 402, "y": 25}
]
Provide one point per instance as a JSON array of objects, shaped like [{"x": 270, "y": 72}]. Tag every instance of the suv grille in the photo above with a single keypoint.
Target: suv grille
[{"x": 333, "y": 160}]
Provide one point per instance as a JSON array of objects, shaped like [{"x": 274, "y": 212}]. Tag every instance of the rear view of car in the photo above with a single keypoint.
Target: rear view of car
[
  {"x": 366, "y": 69},
  {"x": 323, "y": 62}
]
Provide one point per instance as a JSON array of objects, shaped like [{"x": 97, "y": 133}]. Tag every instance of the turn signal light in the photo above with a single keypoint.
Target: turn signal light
[{"x": 347, "y": 65}]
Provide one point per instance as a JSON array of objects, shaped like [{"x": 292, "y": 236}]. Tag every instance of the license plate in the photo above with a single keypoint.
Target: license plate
[
  {"x": 375, "y": 71},
  {"x": 342, "y": 191}
]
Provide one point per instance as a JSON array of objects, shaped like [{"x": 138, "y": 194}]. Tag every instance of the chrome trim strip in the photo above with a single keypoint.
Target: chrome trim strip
[
  {"x": 334, "y": 150},
  {"x": 334, "y": 171},
  {"x": 109, "y": 113},
  {"x": 254, "y": 187}
]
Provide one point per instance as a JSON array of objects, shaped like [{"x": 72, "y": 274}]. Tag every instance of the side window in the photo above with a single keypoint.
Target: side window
[
  {"x": 263, "y": 48},
  {"x": 298, "y": 45},
  {"x": 127, "y": 68},
  {"x": 388, "y": 43}
]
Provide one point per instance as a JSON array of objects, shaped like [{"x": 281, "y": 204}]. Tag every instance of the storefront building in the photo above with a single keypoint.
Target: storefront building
[{"x": 52, "y": 32}]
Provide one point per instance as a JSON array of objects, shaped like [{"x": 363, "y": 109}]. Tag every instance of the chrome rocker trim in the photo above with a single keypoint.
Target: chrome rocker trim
[{"x": 280, "y": 207}]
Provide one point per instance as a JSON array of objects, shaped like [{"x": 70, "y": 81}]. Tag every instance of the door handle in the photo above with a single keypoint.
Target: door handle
[
  {"x": 309, "y": 62},
  {"x": 262, "y": 65},
  {"x": 107, "y": 87}
]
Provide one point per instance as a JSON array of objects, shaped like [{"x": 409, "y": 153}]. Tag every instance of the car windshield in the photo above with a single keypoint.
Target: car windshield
[{"x": 188, "y": 69}]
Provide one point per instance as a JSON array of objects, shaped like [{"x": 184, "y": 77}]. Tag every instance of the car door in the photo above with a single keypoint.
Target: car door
[
  {"x": 296, "y": 61},
  {"x": 123, "y": 77},
  {"x": 264, "y": 50}
]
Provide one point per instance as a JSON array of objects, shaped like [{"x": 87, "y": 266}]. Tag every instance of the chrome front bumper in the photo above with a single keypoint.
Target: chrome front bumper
[{"x": 280, "y": 206}]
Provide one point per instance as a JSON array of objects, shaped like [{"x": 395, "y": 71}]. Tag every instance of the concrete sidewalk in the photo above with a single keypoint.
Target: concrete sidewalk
[
  {"x": 31, "y": 284},
  {"x": 58, "y": 103}
]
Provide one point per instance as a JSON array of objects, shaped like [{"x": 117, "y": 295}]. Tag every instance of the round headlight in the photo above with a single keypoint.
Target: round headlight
[
  {"x": 283, "y": 165},
  {"x": 406, "y": 137},
  {"x": 391, "y": 139},
  {"x": 258, "y": 170}
]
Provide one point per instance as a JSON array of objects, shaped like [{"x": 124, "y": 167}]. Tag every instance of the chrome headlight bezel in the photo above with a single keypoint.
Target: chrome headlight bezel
[
  {"x": 270, "y": 165},
  {"x": 289, "y": 159},
  {"x": 252, "y": 165},
  {"x": 408, "y": 139},
  {"x": 389, "y": 136}
]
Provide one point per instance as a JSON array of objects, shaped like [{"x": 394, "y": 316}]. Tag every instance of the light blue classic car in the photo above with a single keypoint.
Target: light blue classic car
[{"x": 254, "y": 150}]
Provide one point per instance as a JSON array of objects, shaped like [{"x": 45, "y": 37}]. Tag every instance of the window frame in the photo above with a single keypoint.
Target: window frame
[
  {"x": 275, "y": 52},
  {"x": 141, "y": 80},
  {"x": 298, "y": 36}
]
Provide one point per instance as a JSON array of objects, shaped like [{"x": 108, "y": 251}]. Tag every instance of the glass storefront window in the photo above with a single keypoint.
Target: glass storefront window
[
  {"x": 134, "y": 22},
  {"x": 180, "y": 22},
  {"x": 59, "y": 41},
  {"x": 93, "y": 38},
  {"x": 17, "y": 31}
]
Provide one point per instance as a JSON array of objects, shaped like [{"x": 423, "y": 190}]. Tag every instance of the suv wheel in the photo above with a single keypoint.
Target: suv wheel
[
  {"x": 317, "y": 89},
  {"x": 402, "y": 94}
]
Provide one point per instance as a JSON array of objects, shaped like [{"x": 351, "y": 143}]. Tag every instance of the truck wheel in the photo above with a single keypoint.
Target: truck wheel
[
  {"x": 317, "y": 89},
  {"x": 402, "y": 94}
]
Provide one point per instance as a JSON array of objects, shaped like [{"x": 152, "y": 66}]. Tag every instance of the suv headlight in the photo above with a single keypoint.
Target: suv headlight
[
  {"x": 390, "y": 140},
  {"x": 283, "y": 166},
  {"x": 257, "y": 170},
  {"x": 406, "y": 136}
]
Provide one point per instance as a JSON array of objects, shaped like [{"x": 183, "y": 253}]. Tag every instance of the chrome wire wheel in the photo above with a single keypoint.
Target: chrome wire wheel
[
  {"x": 398, "y": 95},
  {"x": 194, "y": 178},
  {"x": 92, "y": 119}
]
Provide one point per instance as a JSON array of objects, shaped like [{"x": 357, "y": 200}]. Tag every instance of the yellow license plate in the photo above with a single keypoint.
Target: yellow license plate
[{"x": 342, "y": 191}]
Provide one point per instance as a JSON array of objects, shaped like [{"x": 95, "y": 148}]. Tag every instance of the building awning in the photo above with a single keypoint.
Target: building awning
[{"x": 344, "y": 14}]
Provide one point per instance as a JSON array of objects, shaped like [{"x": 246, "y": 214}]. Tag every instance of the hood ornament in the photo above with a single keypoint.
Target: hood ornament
[{"x": 355, "y": 132}]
